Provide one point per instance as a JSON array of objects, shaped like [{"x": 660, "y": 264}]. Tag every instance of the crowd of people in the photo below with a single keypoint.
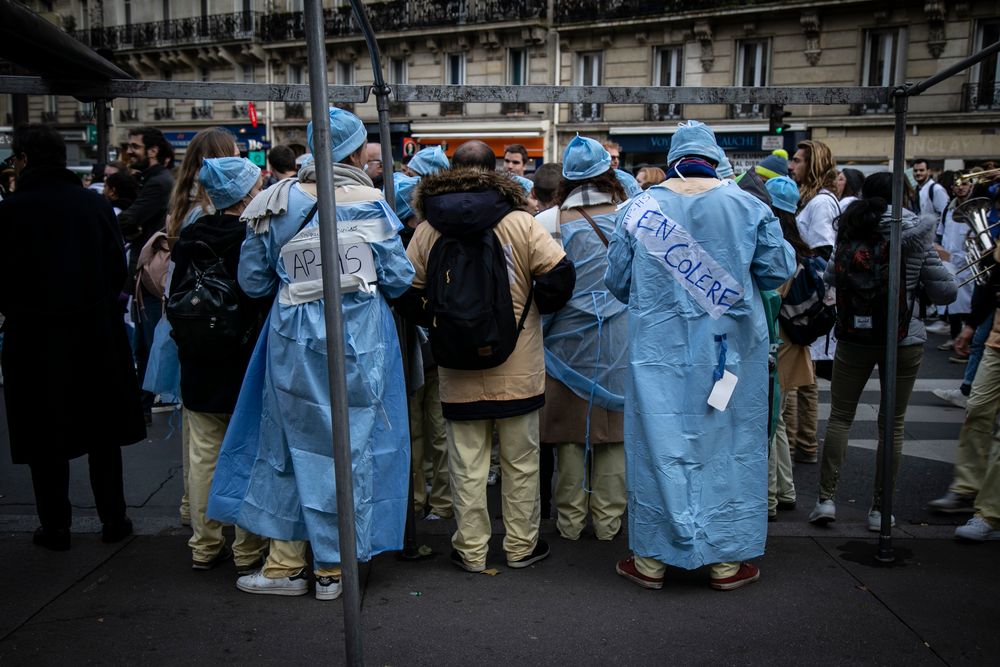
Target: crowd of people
[{"x": 602, "y": 346}]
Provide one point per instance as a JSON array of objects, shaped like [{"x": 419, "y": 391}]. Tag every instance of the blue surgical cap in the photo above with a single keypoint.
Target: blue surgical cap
[
  {"x": 525, "y": 183},
  {"x": 404, "y": 186},
  {"x": 725, "y": 168},
  {"x": 632, "y": 187},
  {"x": 228, "y": 179},
  {"x": 784, "y": 193},
  {"x": 693, "y": 138},
  {"x": 429, "y": 161},
  {"x": 584, "y": 158},
  {"x": 347, "y": 133}
]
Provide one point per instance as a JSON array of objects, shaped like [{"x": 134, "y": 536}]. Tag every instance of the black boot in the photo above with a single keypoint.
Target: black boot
[
  {"x": 56, "y": 539},
  {"x": 116, "y": 531}
]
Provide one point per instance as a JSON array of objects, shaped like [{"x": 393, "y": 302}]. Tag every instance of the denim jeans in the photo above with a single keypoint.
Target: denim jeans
[{"x": 976, "y": 350}]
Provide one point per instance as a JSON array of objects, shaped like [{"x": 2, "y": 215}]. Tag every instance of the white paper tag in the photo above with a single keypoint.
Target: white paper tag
[
  {"x": 863, "y": 322},
  {"x": 302, "y": 262},
  {"x": 723, "y": 391}
]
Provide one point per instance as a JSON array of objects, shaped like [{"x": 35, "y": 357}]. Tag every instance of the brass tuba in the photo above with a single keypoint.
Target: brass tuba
[{"x": 979, "y": 243}]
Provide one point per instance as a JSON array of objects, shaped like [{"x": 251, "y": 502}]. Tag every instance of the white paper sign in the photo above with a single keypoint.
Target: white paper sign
[
  {"x": 723, "y": 391},
  {"x": 303, "y": 264},
  {"x": 686, "y": 260}
]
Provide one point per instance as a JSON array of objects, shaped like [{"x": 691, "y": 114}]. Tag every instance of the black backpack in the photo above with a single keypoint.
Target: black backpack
[
  {"x": 862, "y": 281},
  {"x": 804, "y": 316},
  {"x": 204, "y": 307},
  {"x": 469, "y": 305}
]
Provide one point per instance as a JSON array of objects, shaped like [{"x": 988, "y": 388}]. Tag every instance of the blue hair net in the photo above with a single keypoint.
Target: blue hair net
[
  {"x": 228, "y": 179},
  {"x": 526, "y": 183},
  {"x": 693, "y": 138},
  {"x": 429, "y": 161},
  {"x": 632, "y": 187},
  {"x": 784, "y": 193},
  {"x": 347, "y": 133},
  {"x": 725, "y": 168},
  {"x": 404, "y": 186},
  {"x": 584, "y": 158}
]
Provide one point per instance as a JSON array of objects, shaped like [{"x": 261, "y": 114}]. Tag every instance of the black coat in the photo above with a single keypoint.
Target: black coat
[
  {"x": 212, "y": 383},
  {"x": 70, "y": 382}
]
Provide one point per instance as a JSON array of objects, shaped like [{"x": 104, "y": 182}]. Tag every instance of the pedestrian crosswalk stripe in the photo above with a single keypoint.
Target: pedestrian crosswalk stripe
[
  {"x": 923, "y": 414},
  {"x": 926, "y": 385},
  {"x": 933, "y": 450}
]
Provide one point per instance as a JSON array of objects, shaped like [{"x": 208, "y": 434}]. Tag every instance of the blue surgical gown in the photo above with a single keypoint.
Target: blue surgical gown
[
  {"x": 275, "y": 475},
  {"x": 697, "y": 476}
]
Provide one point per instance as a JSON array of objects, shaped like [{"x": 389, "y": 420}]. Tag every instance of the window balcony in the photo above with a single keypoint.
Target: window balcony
[
  {"x": 576, "y": 11},
  {"x": 657, "y": 112},
  {"x": 50, "y": 116},
  {"x": 128, "y": 115},
  {"x": 214, "y": 28},
  {"x": 241, "y": 110},
  {"x": 163, "y": 113},
  {"x": 295, "y": 110},
  {"x": 587, "y": 113},
  {"x": 749, "y": 111},
  {"x": 982, "y": 96},
  {"x": 82, "y": 116},
  {"x": 202, "y": 112}
]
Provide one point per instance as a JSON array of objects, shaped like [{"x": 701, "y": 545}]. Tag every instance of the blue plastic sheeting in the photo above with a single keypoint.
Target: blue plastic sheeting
[
  {"x": 586, "y": 342},
  {"x": 283, "y": 416},
  {"x": 697, "y": 476}
]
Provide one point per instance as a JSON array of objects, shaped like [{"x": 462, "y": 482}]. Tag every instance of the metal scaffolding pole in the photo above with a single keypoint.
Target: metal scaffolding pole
[{"x": 316, "y": 46}]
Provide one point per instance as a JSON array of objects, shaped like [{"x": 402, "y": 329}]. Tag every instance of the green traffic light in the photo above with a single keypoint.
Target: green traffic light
[{"x": 778, "y": 130}]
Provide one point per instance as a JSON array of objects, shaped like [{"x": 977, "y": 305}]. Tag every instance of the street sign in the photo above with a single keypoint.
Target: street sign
[
  {"x": 92, "y": 133},
  {"x": 258, "y": 158},
  {"x": 770, "y": 143}
]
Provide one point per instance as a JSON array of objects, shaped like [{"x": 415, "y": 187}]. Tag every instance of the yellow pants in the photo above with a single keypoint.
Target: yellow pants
[
  {"x": 654, "y": 568},
  {"x": 977, "y": 438},
  {"x": 289, "y": 558},
  {"x": 800, "y": 418},
  {"x": 185, "y": 509},
  {"x": 469, "y": 445},
  {"x": 205, "y": 434},
  {"x": 607, "y": 498},
  {"x": 780, "y": 482},
  {"x": 429, "y": 443}
]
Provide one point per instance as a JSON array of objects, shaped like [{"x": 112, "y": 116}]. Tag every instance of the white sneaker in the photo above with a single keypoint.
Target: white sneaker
[
  {"x": 977, "y": 529},
  {"x": 824, "y": 512},
  {"x": 328, "y": 588},
  {"x": 946, "y": 346},
  {"x": 952, "y": 396},
  {"x": 261, "y": 585},
  {"x": 875, "y": 521},
  {"x": 939, "y": 327}
]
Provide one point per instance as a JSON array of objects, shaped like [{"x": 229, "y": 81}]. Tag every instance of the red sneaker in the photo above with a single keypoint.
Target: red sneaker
[
  {"x": 627, "y": 569},
  {"x": 747, "y": 574}
]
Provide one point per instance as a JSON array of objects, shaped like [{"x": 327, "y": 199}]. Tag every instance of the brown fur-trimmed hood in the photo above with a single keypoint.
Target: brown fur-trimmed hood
[{"x": 467, "y": 200}]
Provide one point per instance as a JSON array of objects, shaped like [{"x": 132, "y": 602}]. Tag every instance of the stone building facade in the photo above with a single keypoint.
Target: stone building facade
[{"x": 560, "y": 42}]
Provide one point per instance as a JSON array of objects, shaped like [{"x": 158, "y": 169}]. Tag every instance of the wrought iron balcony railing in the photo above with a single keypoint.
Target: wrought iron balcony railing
[
  {"x": 82, "y": 116},
  {"x": 202, "y": 111},
  {"x": 50, "y": 116},
  {"x": 572, "y": 11},
  {"x": 241, "y": 110},
  {"x": 397, "y": 15},
  {"x": 663, "y": 111},
  {"x": 128, "y": 115},
  {"x": 175, "y": 32},
  {"x": 163, "y": 113},
  {"x": 981, "y": 96}
]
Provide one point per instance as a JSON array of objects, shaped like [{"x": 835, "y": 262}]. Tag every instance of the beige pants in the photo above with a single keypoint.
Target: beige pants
[
  {"x": 977, "y": 440},
  {"x": 469, "y": 445},
  {"x": 654, "y": 568},
  {"x": 289, "y": 558},
  {"x": 429, "y": 444},
  {"x": 206, "y": 431},
  {"x": 607, "y": 498},
  {"x": 780, "y": 483},
  {"x": 185, "y": 509},
  {"x": 800, "y": 418}
]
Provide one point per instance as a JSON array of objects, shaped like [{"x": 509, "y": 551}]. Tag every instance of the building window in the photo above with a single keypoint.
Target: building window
[
  {"x": 983, "y": 93},
  {"x": 752, "y": 58},
  {"x": 166, "y": 10},
  {"x": 668, "y": 72},
  {"x": 205, "y": 75},
  {"x": 50, "y": 114},
  {"x": 345, "y": 73},
  {"x": 454, "y": 74},
  {"x": 397, "y": 70},
  {"x": 517, "y": 67},
  {"x": 883, "y": 63},
  {"x": 84, "y": 15},
  {"x": 247, "y": 73},
  {"x": 294, "y": 74},
  {"x": 168, "y": 103},
  {"x": 588, "y": 72}
]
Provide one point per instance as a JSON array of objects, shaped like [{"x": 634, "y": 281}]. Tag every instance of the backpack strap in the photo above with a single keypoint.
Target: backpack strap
[
  {"x": 309, "y": 216},
  {"x": 600, "y": 234}
]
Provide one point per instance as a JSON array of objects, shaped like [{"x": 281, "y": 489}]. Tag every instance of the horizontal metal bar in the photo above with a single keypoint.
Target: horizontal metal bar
[
  {"x": 186, "y": 90},
  {"x": 642, "y": 94}
]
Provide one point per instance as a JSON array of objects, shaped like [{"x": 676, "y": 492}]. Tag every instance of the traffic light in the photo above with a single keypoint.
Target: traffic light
[{"x": 777, "y": 119}]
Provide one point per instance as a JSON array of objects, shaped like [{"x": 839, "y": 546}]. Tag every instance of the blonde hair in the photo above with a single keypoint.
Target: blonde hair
[
  {"x": 210, "y": 142},
  {"x": 654, "y": 176},
  {"x": 821, "y": 170}
]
